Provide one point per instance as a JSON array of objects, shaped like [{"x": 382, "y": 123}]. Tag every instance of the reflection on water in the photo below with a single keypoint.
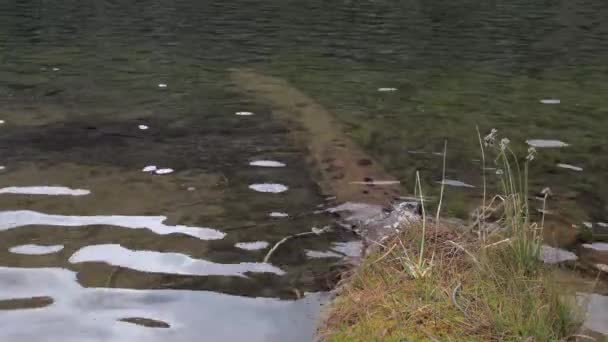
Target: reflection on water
[
  {"x": 94, "y": 314},
  {"x": 33, "y": 249},
  {"x": 21, "y": 218},
  {"x": 171, "y": 263}
]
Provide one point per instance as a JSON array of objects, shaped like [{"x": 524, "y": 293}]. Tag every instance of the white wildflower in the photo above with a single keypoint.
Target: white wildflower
[
  {"x": 531, "y": 154},
  {"x": 504, "y": 142},
  {"x": 490, "y": 139}
]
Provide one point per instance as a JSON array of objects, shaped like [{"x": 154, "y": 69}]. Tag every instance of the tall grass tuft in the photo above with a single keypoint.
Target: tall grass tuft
[{"x": 441, "y": 282}]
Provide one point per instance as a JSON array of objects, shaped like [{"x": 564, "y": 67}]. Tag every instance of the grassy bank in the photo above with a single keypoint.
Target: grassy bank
[{"x": 482, "y": 281}]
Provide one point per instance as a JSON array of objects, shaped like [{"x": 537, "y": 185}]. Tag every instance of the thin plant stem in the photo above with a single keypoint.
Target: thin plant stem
[
  {"x": 483, "y": 174},
  {"x": 445, "y": 152},
  {"x": 423, "y": 220}
]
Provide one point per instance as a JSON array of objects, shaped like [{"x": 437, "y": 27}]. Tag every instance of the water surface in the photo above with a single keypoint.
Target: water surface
[{"x": 93, "y": 93}]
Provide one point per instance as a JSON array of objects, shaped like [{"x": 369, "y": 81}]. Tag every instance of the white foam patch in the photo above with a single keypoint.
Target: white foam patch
[
  {"x": 149, "y": 168},
  {"x": 162, "y": 85},
  {"x": 570, "y": 167},
  {"x": 278, "y": 214},
  {"x": 170, "y": 263},
  {"x": 252, "y": 246},
  {"x": 243, "y": 113},
  {"x": 267, "y": 163},
  {"x": 550, "y": 101},
  {"x": 1, "y": 122},
  {"x": 457, "y": 183},
  {"x": 269, "y": 187},
  {"x": 44, "y": 190},
  {"x": 546, "y": 143},
  {"x": 588, "y": 224},
  {"x": 597, "y": 246},
  {"x": 55, "y": 69},
  {"x": 387, "y": 89},
  {"x": 2, "y": 168},
  {"x": 603, "y": 224},
  {"x": 36, "y": 249},
  {"x": 322, "y": 254},
  {"x": 20, "y": 218},
  {"x": 164, "y": 171},
  {"x": 552, "y": 255},
  {"x": 143, "y": 127}
]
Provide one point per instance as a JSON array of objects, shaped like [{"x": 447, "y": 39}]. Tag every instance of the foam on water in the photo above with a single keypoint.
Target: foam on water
[
  {"x": 34, "y": 249},
  {"x": 170, "y": 263},
  {"x": 20, "y": 218},
  {"x": 243, "y": 113},
  {"x": 44, "y": 190}
]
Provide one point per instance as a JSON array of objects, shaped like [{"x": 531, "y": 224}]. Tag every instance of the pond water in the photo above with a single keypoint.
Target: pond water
[{"x": 141, "y": 187}]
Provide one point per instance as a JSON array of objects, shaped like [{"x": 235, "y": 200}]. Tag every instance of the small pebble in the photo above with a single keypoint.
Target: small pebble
[
  {"x": 149, "y": 168},
  {"x": 164, "y": 171}
]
